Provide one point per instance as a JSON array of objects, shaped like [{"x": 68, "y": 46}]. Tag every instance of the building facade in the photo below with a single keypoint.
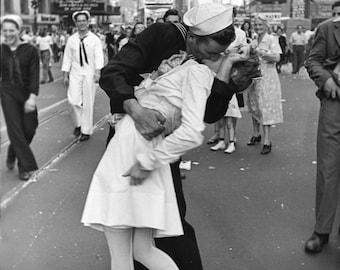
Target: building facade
[{"x": 57, "y": 13}]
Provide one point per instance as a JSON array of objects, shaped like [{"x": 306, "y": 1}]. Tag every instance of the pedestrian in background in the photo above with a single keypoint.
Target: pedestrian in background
[
  {"x": 138, "y": 28},
  {"x": 123, "y": 41},
  {"x": 227, "y": 124},
  {"x": 110, "y": 41},
  {"x": 172, "y": 15},
  {"x": 298, "y": 42},
  {"x": 20, "y": 86},
  {"x": 284, "y": 48},
  {"x": 82, "y": 62},
  {"x": 44, "y": 43},
  {"x": 26, "y": 37},
  {"x": 149, "y": 21},
  {"x": 247, "y": 28},
  {"x": 323, "y": 66},
  {"x": 264, "y": 98},
  {"x": 55, "y": 46}
]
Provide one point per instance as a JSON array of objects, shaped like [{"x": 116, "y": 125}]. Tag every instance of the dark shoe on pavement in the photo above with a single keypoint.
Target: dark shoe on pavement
[
  {"x": 84, "y": 137},
  {"x": 213, "y": 139},
  {"x": 10, "y": 164},
  {"x": 25, "y": 175},
  {"x": 76, "y": 132},
  {"x": 316, "y": 242},
  {"x": 183, "y": 176},
  {"x": 254, "y": 140},
  {"x": 267, "y": 148}
]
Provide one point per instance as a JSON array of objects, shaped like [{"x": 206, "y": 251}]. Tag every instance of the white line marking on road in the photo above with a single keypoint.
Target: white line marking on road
[
  {"x": 52, "y": 106},
  {"x": 10, "y": 195}
]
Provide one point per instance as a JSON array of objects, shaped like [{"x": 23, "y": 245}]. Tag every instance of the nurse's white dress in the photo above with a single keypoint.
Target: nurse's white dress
[{"x": 180, "y": 95}]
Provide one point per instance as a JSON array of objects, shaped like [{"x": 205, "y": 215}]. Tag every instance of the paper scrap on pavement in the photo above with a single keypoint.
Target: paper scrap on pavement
[{"x": 185, "y": 165}]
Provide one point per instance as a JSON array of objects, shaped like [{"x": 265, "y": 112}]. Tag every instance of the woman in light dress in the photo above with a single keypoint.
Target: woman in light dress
[
  {"x": 136, "y": 211},
  {"x": 264, "y": 98}
]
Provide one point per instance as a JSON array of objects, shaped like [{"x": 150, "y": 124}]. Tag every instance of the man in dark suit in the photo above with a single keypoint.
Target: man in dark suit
[
  {"x": 157, "y": 42},
  {"x": 323, "y": 65},
  {"x": 110, "y": 41}
]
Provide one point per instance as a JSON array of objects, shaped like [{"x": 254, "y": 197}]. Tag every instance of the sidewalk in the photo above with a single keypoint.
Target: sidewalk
[{"x": 41, "y": 229}]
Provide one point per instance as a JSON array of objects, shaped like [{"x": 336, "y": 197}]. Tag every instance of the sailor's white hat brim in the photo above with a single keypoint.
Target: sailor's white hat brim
[
  {"x": 207, "y": 19},
  {"x": 81, "y": 12},
  {"x": 16, "y": 19}
]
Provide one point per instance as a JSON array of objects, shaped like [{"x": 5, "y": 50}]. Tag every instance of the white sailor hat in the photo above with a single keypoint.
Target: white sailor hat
[
  {"x": 208, "y": 18},
  {"x": 16, "y": 19},
  {"x": 81, "y": 12}
]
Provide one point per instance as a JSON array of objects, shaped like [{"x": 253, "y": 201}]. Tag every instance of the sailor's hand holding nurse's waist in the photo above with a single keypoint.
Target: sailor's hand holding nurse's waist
[
  {"x": 148, "y": 122},
  {"x": 137, "y": 174}
]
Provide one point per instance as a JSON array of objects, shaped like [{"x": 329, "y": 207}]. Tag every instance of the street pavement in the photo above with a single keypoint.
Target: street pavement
[{"x": 250, "y": 212}]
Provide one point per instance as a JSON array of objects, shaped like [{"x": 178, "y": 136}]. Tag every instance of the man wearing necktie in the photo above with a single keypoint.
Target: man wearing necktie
[{"x": 83, "y": 59}]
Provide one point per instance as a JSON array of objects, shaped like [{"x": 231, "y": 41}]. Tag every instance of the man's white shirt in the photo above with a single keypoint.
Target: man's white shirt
[{"x": 94, "y": 53}]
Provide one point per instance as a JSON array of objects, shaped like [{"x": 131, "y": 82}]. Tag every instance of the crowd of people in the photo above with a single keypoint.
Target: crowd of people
[{"x": 166, "y": 80}]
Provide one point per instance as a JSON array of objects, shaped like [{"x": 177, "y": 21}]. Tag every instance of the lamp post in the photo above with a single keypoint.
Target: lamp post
[{"x": 35, "y": 5}]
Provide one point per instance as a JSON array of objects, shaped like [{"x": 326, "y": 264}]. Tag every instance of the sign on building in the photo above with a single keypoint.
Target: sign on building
[
  {"x": 274, "y": 18},
  {"x": 47, "y": 19},
  {"x": 65, "y": 6},
  {"x": 298, "y": 9}
]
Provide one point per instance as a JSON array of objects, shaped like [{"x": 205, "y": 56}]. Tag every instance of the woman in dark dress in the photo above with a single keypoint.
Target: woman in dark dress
[
  {"x": 283, "y": 45},
  {"x": 19, "y": 89},
  {"x": 246, "y": 27}
]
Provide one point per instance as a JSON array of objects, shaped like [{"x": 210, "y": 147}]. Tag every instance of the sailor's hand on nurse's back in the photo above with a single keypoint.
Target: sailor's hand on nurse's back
[{"x": 148, "y": 122}]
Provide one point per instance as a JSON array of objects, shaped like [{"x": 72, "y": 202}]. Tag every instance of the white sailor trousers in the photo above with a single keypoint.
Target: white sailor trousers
[{"x": 81, "y": 95}]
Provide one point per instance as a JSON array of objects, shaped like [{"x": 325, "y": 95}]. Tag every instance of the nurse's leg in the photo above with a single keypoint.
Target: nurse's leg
[
  {"x": 120, "y": 246},
  {"x": 145, "y": 252}
]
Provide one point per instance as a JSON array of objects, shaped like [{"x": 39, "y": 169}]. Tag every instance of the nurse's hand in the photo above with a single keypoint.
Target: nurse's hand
[
  {"x": 137, "y": 175},
  {"x": 244, "y": 52},
  {"x": 148, "y": 122}
]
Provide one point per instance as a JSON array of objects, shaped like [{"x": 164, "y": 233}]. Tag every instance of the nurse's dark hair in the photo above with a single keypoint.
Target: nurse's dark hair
[
  {"x": 223, "y": 37},
  {"x": 247, "y": 70}
]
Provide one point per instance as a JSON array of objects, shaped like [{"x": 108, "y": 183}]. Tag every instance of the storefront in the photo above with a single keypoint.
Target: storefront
[
  {"x": 99, "y": 9},
  {"x": 51, "y": 22}
]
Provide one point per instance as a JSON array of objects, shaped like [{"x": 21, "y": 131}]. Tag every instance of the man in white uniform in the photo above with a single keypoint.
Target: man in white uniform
[{"x": 83, "y": 59}]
